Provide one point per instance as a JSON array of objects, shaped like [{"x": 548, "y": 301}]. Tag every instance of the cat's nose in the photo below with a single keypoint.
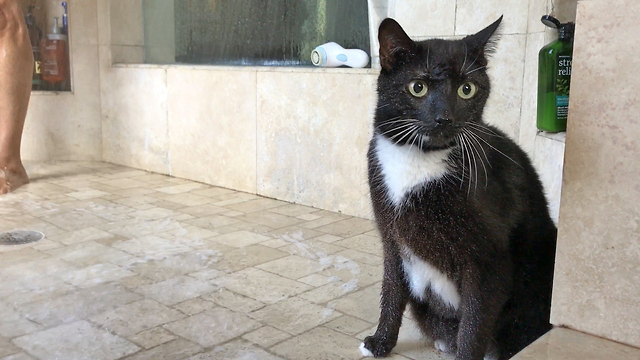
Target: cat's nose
[{"x": 442, "y": 120}]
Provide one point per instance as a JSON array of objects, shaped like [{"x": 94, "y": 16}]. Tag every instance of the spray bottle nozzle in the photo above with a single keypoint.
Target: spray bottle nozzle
[
  {"x": 565, "y": 30},
  {"x": 65, "y": 22},
  {"x": 551, "y": 22}
]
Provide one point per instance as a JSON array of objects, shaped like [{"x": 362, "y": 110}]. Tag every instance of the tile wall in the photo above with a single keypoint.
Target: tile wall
[{"x": 138, "y": 115}]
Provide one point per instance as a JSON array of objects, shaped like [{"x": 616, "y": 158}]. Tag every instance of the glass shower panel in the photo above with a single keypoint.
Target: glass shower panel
[{"x": 250, "y": 32}]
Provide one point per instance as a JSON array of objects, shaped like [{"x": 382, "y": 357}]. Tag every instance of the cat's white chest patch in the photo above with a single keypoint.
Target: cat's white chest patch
[
  {"x": 421, "y": 275},
  {"x": 406, "y": 167}
]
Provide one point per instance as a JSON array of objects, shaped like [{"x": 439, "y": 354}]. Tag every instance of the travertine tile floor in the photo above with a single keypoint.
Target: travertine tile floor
[{"x": 137, "y": 265}]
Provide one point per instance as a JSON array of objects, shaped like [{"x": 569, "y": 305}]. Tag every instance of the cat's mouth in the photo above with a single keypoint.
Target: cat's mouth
[{"x": 440, "y": 138}]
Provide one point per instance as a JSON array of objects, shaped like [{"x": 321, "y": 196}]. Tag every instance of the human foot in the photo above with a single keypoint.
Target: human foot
[{"x": 11, "y": 179}]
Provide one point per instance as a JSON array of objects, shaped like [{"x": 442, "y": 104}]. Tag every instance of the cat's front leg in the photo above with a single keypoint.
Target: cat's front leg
[{"x": 393, "y": 301}]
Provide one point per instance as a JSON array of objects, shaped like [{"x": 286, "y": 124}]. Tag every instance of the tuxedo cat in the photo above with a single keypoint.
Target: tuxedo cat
[{"x": 467, "y": 236}]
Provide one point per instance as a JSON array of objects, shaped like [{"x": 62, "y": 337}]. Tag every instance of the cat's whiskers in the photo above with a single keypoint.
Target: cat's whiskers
[
  {"x": 474, "y": 148},
  {"x": 474, "y": 70},
  {"x": 493, "y": 147},
  {"x": 460, "y": 143},
  {"x": 482, "y": 148},
  {"x": 398, "y": 128},
  {"x": 404, "y": 134},
  {"x": 397, "y": 120},
  {"x": 470, "y": 65},
  {"x": 472, "y": 155},
  {"x": 479, "y": 145},
  {"x": 483, "y": 129},
  {"x": 394, "y": 118},
  {"x": 411, "y": 142},
  {"x": 465, "y": 149},
  {"x": 465, "y": 57}
]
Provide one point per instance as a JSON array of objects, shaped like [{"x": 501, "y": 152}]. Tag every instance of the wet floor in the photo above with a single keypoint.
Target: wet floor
[{"x": 137, "y": 265}]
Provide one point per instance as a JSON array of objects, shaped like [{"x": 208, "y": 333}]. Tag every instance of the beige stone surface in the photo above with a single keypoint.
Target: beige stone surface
[
  {"x": 472, "y": 16},
  {"x": 566, "y": 344},
  {"x": 230, "y": 300},
  {"x": 218, "y": 131},
  {"x": 309, "y": 152},
  {"x": 295, "y": 315},
  {"x": 358, "y": 305},
  {"x": 528, "y": 116},
  {"x": 426, "y": 18},
  {"x": 252, "y": 255},
  {"x": 14, "y": 324},
  {"x": 319, "y": 344},
  {"x": 348, "y": 325},
  {"x": 175, "y": 349},
  {"x": 548, "y": 153},
  {"x": 597, "y": 282},
  {"x": 136, "y": 317},
  {"x": 128, "y": 127},
  {"x": 152, "y": 337},
  {"x": 76, "y": 305},
  {"x": 127, "y": 54},
  {"x": 537, "y": 8},
  {"x": 237, "y": 349},
  {"x": 176, "y": 290},
  {"x": 152, "y": 284},
  {"x": 266, "y": 336},
  {"x": 564, "y": 10},
  {"x": 261, "y": 285},
  {"x": 82, "y": 341},
  {"x": 293, "y": 267},
  {"x": 506, "y": 71},
  {"x": 213, "y": 327},
  {"x": 239, "y": 239},
  {"x": 19, "y": 356}
]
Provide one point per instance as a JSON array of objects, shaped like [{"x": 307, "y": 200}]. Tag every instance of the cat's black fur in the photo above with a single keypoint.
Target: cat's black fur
[{"x": 485, "y": 224}]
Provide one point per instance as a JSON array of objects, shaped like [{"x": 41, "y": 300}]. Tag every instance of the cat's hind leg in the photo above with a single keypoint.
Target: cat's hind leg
[{"x": 443, "y": 331}]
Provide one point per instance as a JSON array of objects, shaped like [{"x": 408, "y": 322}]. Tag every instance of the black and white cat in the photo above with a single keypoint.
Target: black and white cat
[{"x": 467, "y": 236}]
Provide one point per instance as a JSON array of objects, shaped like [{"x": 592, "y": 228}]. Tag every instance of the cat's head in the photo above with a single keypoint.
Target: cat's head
[{"x": 429, "y": 91}]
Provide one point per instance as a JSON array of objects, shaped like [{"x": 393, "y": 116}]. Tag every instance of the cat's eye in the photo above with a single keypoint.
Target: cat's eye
[
  {"x": 418, "y": 88},
  {"x": 467, "y": 90}
]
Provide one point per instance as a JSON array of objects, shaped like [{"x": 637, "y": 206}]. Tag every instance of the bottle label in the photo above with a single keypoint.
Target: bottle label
[
  {"x": 563, "y": 80},
  {"x": 562, "y": 104},
  {"x": 37, "y": 69}
]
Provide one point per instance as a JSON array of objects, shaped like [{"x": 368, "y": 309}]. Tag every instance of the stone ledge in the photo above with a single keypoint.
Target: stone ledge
[
  {"x": 561, "y": 136},
  {"x": 567, "y": 344}
]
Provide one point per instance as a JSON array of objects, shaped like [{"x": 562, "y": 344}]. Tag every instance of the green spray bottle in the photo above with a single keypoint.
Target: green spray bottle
[{"x": 554, "y": 77}]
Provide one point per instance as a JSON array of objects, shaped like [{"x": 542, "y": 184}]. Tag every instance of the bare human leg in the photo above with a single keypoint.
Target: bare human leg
[{"x": 16, "y": 66}]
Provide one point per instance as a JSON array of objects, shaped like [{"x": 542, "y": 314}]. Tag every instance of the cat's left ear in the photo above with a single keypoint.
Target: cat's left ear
[
  {"x": 483, "y": 42},
  {"x": 393, "y": 42}
]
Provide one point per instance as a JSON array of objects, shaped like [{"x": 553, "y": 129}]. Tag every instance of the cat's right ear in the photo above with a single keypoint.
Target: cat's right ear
[{"x": 393, "y": 42}]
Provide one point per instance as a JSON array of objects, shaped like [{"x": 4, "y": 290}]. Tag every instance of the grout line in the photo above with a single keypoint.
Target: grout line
[
  {"x": 522, "y": 91},
  {"x": 256, "y": 132},
  {"x": 455, "y": 18},
  {"x": 166, "y": 103}
]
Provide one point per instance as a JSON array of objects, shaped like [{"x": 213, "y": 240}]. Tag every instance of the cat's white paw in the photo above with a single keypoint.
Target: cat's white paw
[
  {"x": 442, "y": 346},
  {"x": 365, "y": 352}
]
